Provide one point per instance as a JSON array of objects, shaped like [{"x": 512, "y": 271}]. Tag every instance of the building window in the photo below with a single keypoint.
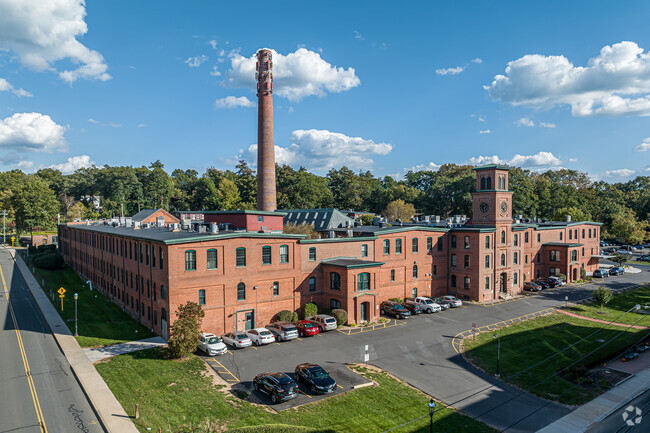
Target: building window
[
  {"x": 453, "y": 281},
  {"x": 160, "y": 251},
  {"x": 312, "y": 254},
  {"x": 483, "y": 183},
  {"x": 335, "y": 281},
  {"x": 489, "y": 182},
  {"x": 364, "y": 250},
  {"x": 589, "y": 233},
  {"x": 561, "y": 235},
  {"x": 453, "y": 241},
  {"x": 386, "y": 247},
  {"x": 435, "y": 270},
  {"x": 284, "y": 253},
  {"x": 526, "y": 259},
  {"x": 398, "y": 246},
  {"x": 514, "y": 278},
  {"x": 539, "y": 237},
  {"x": 503, "y": 259},
  {"x": 554, "y": 256},
  {"x": 415, "y": 271},
  {"x": 503, "y": 236},
  {"x": 163, "y": 291},
  {"x": 240, "y": 257},
  {"x": 466, "y": 283},
  {"x": 363, "y": 281},
  {"x": 574, "y": 255},
  {"x": 583, "y": 251},
  {"x": 241, "y": 292},
  {"x": 466, "y": 242},
  {"x": 392, "y": 274},
  {"x": 312, "y": 284},
  {"x": 276, "y": 288},
  {"x": 516, "y": 240},
  {"x": 414, "y": 292},
  {"x": 202, "y": 297},
  {"x": 212, "y": 259},
  {"x": 266, "y": 255},
  {"x": 429, "y": 244},
  {"x": 487, "y": 261},
  {"x": 583, "y": 233},
  {"x": 147, "y": 260},
  {"x": 335, "y": 304},
  {"x": 190, "y": 260},
  {"x": 526, "y": 237},
  {"x": 439, "y": 242},
  {"x": 466, "y": 261},
  {"x": 453, "y": 260},
  {"x": 487, "y": 283},
  {"x": 515, "y": 258},
  {"x": 141, "y": 258},
  {"x": 414, "y": 245},
  {"x": 260, "y": 219},
  {"x": 487, "y": 242}
]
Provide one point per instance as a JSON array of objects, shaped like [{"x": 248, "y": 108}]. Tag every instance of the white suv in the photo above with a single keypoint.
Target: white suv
[
  {"x": 427, "y": 305},
  {"x": 211, "y": 344},
  {"x": 324, "y": 322}
]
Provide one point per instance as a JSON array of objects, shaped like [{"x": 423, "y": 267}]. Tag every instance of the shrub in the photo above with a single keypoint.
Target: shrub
[
  {"x": 309, "y": 310},
  {"x": 183, "y": 335},
  {"x": 285, "y": 316},
  {"x": 562, "y": 276},
  {"x": 396, "y": 300},
  {"x": 602, "y": 296},
  {"x": 294, "y": 317},
  {"x": 31, "y": 250},
  {"x": 341, "y": 316},
  {"x": 583, "y": 273},
  {"x": 49, "y": 261}
]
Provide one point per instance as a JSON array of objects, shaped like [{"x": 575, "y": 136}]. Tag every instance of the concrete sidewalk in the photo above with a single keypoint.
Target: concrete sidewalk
[
  {"x": 109, "y": 411},
  {"x": 100, "y": 353}
]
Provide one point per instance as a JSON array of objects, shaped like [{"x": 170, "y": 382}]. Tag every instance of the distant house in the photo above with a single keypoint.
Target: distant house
[
  {"x": 189, "y": 216},
  {"x": 321, "y": 219},
  {"x": 154, "y": 216}
]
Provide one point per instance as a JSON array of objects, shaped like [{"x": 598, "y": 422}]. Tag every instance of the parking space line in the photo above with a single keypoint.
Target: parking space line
[
  {"x": 254, "y": 347},
  {"x": 304, "y": 393},
  {"x": 298, "y": 338},
  {"x": 339, "y": 386},
  {"x": 229, "y": 352},
  {"x": 277, "y": 343},
  {"x": 226, "y": 372},
  {"x": 372, "y": 328}
]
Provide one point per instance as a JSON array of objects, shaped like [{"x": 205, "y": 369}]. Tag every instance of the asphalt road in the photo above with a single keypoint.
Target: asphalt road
[
  {"x": 638, "y": 416},
  {"x": 420, "y": 352},
  {"x": 38, "y": 391}
]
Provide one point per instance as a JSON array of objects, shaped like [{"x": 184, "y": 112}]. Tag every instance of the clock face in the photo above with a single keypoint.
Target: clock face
[
  {"x": 484, "y": 207},
  {"x": 504, "y": 207}
]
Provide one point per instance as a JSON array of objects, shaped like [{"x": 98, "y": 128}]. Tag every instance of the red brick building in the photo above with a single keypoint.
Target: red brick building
[{"x": 244, "y": 270}]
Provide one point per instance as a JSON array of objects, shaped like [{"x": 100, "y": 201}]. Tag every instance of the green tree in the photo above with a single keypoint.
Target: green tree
[
  {"x": 204, "y": 195},
  {"x": 603, "y": 296},
  {"x": 619, "y": 258},
  {"x": 183, "y": 335},
  {"x": 35, "y": 205},
  {"x": 76, "y": 211},
  {"x": 303, "y": 229},
  {"x": 576, "y": 214},
  {"x": 159, "y": 186},
  {"x": 228, "y": 195},
  {"x": 246, "y": 183},
  {"x": 399, "y": 209},
  {"x": 524, "y": 197},
  {"x": 626, "y": 227}
]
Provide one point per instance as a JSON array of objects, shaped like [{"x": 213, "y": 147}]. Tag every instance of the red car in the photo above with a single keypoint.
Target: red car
[{"x": 306, "y": 328}]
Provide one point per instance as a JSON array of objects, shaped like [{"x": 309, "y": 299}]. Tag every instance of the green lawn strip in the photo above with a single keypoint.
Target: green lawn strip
[
  {"x": 635, "y": 262},
  {"x": 619, "y": 304},
  {"x": 178, "y": 392},
  {"x": 100, "y": 322},
  {"x": 525, "y": 344}
]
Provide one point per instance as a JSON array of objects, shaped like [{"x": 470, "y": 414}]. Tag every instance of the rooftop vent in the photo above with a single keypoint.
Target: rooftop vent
[
  {"x": 214, "y": 228},
  {"x": 568, "y": 218}
]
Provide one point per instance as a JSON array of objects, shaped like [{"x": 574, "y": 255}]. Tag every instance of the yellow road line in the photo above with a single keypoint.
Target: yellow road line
[
  {"x": 339, "y": 386},
  {"x": 304, "y": 393},
  {"x": 227, "y": 371},
  {"x": 298, "y": 338},
  {"x": 23, "y": 354}
]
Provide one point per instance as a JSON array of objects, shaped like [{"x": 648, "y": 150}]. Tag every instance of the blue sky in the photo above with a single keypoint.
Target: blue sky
[{"x": 384, "y": 86}]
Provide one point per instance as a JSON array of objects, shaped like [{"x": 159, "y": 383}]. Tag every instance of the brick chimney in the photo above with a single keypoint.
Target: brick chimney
[{"x": 266, "y": 195}]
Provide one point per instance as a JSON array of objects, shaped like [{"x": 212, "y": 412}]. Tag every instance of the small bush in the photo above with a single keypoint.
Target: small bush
[
  {"x": 49, "y": 261},
  {"x": 294, "y": 317},
  {"x": 309, "y": 310},
  {"x": 341, "y": 316},
  {"x": 284, "y": 316},
  {"x": 31, "y": 250},
  {"x": 583, "y": 274},
  {"x": 396, "y": 300},
  {"x": 562, "y": 276}
]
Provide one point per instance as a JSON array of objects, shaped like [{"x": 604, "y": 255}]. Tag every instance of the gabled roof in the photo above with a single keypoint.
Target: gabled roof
[
  {"x": 143, "y": 214},
  {"x": 322, "y": 219}
]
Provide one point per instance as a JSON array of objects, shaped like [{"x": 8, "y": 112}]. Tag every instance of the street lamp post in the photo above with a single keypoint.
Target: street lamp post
[
  {"x": 432, "y": 409},
  {"x": 76, "y": 333},
  {"x": 498, "y": 374}
]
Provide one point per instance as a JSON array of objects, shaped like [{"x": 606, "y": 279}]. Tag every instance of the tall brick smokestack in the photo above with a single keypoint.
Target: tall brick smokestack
[{"x": 266, "y": 198}]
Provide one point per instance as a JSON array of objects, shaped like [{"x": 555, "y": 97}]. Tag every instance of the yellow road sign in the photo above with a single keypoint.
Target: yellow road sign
[
  {"x": 61, "y": 291},
  {"x": 13, "y": 239}
]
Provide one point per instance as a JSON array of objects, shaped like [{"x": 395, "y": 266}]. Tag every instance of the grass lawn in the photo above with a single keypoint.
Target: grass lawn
[
  {"x": 100, "y": 322},
  {"x": 529, "y": 342},
  {"x": 173, "y": 393},
  {"x": 619, "y": 304}
]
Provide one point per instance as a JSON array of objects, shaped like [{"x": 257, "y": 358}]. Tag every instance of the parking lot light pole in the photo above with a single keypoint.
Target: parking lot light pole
[
  {"x": 498, "y": 374},
  {"x": 432, "y": 409},
  {"x": 76, "y": 333}
]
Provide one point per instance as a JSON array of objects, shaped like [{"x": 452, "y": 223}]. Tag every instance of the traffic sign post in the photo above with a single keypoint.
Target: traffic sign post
[
  {"x": 61, "y": 291},
  {"x": 474, "y": 329},
  {"x": 61, "y": 298}
]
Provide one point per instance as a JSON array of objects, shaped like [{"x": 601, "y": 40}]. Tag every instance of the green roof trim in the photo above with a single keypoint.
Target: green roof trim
[
  {"x": 397, "y": 229},
  {"x": 230, "y": 236},
  {"x": 370, "y": 265},
  {"x": 492, "y": 166},
  {"x": 474, "y": 229},
  {"x": 331, "y": 240},
  {"x": 248, "y": 212}
]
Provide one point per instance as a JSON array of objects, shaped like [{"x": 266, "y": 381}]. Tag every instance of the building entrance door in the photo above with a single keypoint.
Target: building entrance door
[
  {"x": 163, "y": 323},
  {"x": 245, "y": 320},
  {"x": 248, "y": 319},
  {"x": 575, "y": 274},
  {"x": 502, "y": 282},
  {"x": 364, "y": 313}
]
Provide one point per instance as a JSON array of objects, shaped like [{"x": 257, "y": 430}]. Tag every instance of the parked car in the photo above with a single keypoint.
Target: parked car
[
  {"x": 412, "y": 307},
  {"x": 390, "y": 308},
  {"x": 601, "y": 273},
  {"x": 636, "y": 248},
  {"x": 644, "y": 258},
  {"x": 624, "y": 252},
  {"x": 306, "y": 328},
  {"x": 211, "y": 344},
  {"x": 453, "y": 301},
  {"x": 642, "y": 347},
  {"x": 427, "y": 304},
  {"x": 316, "y": 378},
  {"x": 279, "y": 386},
  {"x": 558, "y": 280},
  {"x": 532, "y": 287},
  {"x": 260, "y": 336},
  {"x": 616, "y": 270},
  {"x": 237, "y": 339},
  {"x": 324, "y": 322},
  {"x": 543, "y": 284},
  {"x": 630, "y": 355},
  {"x": 443, "y": 305},
  {"x": 283, "y": 331},
  {"x": 552, "y": 283}
]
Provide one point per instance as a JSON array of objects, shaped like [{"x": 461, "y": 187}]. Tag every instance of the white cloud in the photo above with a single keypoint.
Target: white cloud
[
  {"x": 195, "y": 62},
  {"x": 643, "y": 146},
  {"x": 25, "y": 165},
  {"x": 525, "y": 121},
  {"x": 615, "y": 83},
  {"x": 215, "y": 71},
  {"x": 358, "y": 35},
  {"x": 546, "y": 125},
  {"x": 213, "y": 43},
  {"x": 477, "y": 60},
  {"x": 450, "y": 71},
  {"x": 295, "y": 76},
  {"x": 621, "y": 172},
  {"x": 647, "y": 168},
  {"x": 481, "y": 119},
  {"x": 573, "y": 159},
  {"x": 73, "y": 164},
  {"x": 485, "y": 131},
  {"x": 111, "y": 124},
  {"x": 431, "y": 166},
  {"x": 142, "y": 125},
  {"x": 32, "y": 131},
  {"x": 42, "y": 32},
  {"x": 233, "y": 102},
  {"x": 537, "y": 160},
  {"x": 5, "y": 86},
  {"x": 320, "y": 150}
]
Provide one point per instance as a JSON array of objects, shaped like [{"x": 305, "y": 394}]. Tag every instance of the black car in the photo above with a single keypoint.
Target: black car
[
  {"x": 394, "y": 309},
  {"x": 318, "y": 380},
  {"x": 542, "y": 283},
  {"x": 629, "y": 356},
  {"x": 642, "y": 347},
  {"x": 551, "y": 283},
  {"x": 278, "y": 386},
  {"x": 412, "y": 307},
  {"x": 643, "y": 258}
]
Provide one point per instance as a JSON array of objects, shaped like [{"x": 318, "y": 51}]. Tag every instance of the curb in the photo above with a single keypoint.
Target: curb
[{"x": 109, "y": 411}]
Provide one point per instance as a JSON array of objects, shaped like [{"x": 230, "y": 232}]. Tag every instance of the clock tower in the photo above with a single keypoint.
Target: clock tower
[{"x": 492, "y": 202}]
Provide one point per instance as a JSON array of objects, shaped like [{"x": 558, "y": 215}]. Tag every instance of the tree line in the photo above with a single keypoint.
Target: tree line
[{"x": 35, "y": 200}]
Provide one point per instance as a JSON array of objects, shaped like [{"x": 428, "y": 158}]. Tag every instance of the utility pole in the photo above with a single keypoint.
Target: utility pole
[{"x": 4, "y": 228}]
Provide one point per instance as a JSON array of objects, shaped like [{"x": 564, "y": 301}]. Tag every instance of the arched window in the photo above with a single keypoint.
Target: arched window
[
  {"x": 202, "y": 297},
  {"x": 414, "y": 244},
  {"x": 503, "y": 236},
  {"x": 160, "y": 257},
  {"x": 503, "y": 259},
  {"x": 467, "y": 261},
  {"x": 190, "y": 260},
  {"x": 241, "y": 292},
  {"x": 487, "y": 283},
  {"x": 415, "y": 271},
  {"x": 363, "y": 281},
  {"x": 284, "y": 253},
  {"x": 516, "y": 240},
  {"x": 335, "y": 304},
  {"x": 489, "y": 182},
  {"x": 312, "y": 254},
  {"x": 453, "y": 241},
  {"x": 212, "y": 259},
  {"x": 386, "y": 246},
  {"x": 266, "y": 255},
  {"x": 515, "y": 257},
  {"x": 453, "y": 260},
  {"x": 483, "y": 183},
  {"x": 163, "y": 314},
  {"x": 240, "y": 257},
  {"x": 398, "y": 246},
  {"x": 335, "y": 281}
]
